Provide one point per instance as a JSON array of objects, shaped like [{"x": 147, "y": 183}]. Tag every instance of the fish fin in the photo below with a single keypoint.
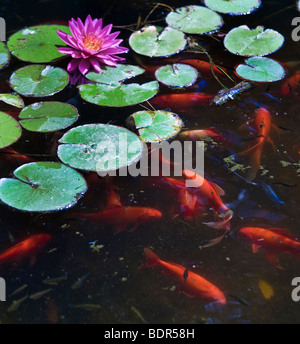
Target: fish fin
[
  {"x": 283, "y": 232},
  {"x": 255, "y": 248},
  {"x": 119, "y": 229},
  {"x": 275, "y": 128},
  {"x": 151, "y": 258},
  {"x": 217, "y": 189},
  {"x": 214, "y": 241},
  {"x": 273, "y": 259},
  {"x": 255, "y": 153},
  {"x": 269, "y": 140},
  {"x": 133, "y": 228},
  {"x": 224, "y": 224}
]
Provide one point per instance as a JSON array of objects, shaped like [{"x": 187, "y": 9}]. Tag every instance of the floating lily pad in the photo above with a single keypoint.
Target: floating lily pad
[
  {"x": 233, "y": 7},
  {"x": 156, "y": 126},
  {"x": 177, "y": 75},
  {"x": 12, "y": 99},
  {"x": 118, "y": 96},
  {"x": 99, "y": 147},
  {"x": 39, "y": 80},
  {"x": 155, "y": 41},
  {"x": 10, "y": 130},
  {"x": 261, "y": 69},
  {"x": 194, "y": 20},
  {"x": 257, "y": 42},
  {"x": 4, "y": 55},
  {"x": 115, "y": 75},
  {"x": 48, "y": 116},
  {"x": 42, "y": 187},
  {"x": 37, "y": 44}
]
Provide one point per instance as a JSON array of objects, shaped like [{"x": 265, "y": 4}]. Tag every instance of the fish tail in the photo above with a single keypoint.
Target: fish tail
[{"x": 151, "y": 258}]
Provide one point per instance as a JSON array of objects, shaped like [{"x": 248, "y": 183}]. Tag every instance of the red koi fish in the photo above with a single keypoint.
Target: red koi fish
[
  {"x": 181, "y": 101},
  {"x": 289, "y": 87},
  {"x": 26, "y": 248},
  {"x": 191, "y": 283},
  {"x": 121, "y": 218},
  {"x": 273, "y": 240},
  {"x": 262, "y": 124},
  {"x": 190, "y": 208},
  {"x": 13, "y": 157}
]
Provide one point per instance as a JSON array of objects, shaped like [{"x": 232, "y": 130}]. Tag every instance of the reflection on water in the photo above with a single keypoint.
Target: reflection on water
[{"x": 89, "y": 275}]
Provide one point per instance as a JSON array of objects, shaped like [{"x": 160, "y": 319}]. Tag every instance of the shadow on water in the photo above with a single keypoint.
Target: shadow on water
[{"x": 96, "y": 273}]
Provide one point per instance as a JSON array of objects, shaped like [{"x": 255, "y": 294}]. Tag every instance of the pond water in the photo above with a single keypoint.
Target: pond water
[{"x": 112, "y": 289}]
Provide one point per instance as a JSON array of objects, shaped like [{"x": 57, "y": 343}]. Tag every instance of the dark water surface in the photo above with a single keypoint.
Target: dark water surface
[{"x": 119, "y": 291}]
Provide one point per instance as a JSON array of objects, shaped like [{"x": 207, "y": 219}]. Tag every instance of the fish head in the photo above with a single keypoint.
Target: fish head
[{"x": 247, "y": 233}]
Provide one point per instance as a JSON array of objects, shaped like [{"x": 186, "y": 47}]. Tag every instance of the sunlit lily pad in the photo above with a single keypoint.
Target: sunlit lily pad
[
  {"x": 261, "y": 69},
  {"x": 48, "y": 116},
  {"x": 39, "y": 80},
  {"x": 118, "y": 96},
  {"x": 194, "y": 19},
  {"x": 42, "y": 187},
  {"x": 257, "y": 42},
  {"x": 155, "y": 41},
  {"x": 12, "y": 99},
  {"x": 37, "y": 44},
  {"x": 155, "y": 126},
  {"x": 99, "y": 147},
  {"x": 10, "y": 130},
  {"x": 177, "y": 75},
  {"x": 233, "y": 7},
  {"x": 115, "y": 75},
  {"x": 4, "y": 55}
]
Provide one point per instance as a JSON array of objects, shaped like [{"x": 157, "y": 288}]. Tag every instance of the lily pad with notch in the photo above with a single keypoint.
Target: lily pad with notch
[
  {"x": 37, "y": 44},
  {"x": 48, "y": 116},
  {"x": 194, "y": 20},
  {"x": 155, "y": 41},
  {"x": 155, "y": 126},
  {"x": 257, "y": 42},
  {"x": 233, "y": 7},
  {"x": 42, "y": 187},
  {"x": 177, "y": 75},
  {"x": 10, "y": 130},
  {"x": 39, "y": 80},
  {"x": 99, "y": 147},
  {"x": 261, "y": 69}
]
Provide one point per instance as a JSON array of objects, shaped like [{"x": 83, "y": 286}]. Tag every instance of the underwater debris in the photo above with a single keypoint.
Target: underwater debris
[{"x": 229, "y": 94}]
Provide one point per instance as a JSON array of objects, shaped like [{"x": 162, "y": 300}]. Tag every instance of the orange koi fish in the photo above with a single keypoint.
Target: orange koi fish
[
  {"x": 289, "y": 87},
  {"x": 121, "y": 218},
  {"x": 262, "y": 124},
  {"x": 28, "y": 247},
  {"x": 181, "y": 101},
  {"x": 200, "y": 134},
  {"x": 191, "y": 283},
  {"x": 273, "y": 240},
  {"x": 13, "y": 157},
  {"x": 190, "y": 208}
]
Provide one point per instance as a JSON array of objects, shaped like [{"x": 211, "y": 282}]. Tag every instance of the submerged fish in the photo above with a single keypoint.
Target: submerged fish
[
  {"x": 289, "y": 87},
  {"x": 191, "y": 283},
  {"x": 273, "y": 240}
]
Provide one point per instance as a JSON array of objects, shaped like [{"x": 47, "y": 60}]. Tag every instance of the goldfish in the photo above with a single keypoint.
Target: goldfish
[
  {"x": 191, "y": 283},
  {"x": 121, "y": 218},
  {"x": 26, "y": 248},
  {"x": 190, "y": 207},
  {"x": 13, "y": 157},
  {"x": 181, "y": 101},
  {"x": 262, "y": 124},
  {"x": 273, "y": 240},
  {"x": 202, "y": 134},
  {"x": 290, "y": 86}
]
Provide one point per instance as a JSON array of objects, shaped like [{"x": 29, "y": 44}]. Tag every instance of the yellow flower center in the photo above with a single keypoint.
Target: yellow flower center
[{"x": 92, "y": 42}]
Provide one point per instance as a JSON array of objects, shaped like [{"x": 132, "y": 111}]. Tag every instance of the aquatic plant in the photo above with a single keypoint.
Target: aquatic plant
[{"x": 91, "y": 45}]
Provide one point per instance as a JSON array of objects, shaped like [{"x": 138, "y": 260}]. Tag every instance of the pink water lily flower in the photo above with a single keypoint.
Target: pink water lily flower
[{"x": 91, "y": 45}]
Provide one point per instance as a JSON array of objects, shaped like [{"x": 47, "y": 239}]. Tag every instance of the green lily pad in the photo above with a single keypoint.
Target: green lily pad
[
  {"x": 115, "y": 75},
  {"x": 4, "y": 55},
  {"x": 118, "y": 96},
  {"x": 99, "y": 147},
  {"x": 156, "y": 126},
  {"x": 42, "y": 187},
  {"x": 177, "y": 75},
  {"x": 10, "y": 130},
  {"x": 261, "y": 69},
  {"x": 48, "y": 116},
  {"x": 155, "y": 41},
  {"x": 12, "y": 99},
  {"x": 194, "y": 20},
  {"x": 37, "y": 44},
  {"x": 233, "y": 7},
  {"x": 39, "y": 80},
  {"x": 257, "y": 42}
]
